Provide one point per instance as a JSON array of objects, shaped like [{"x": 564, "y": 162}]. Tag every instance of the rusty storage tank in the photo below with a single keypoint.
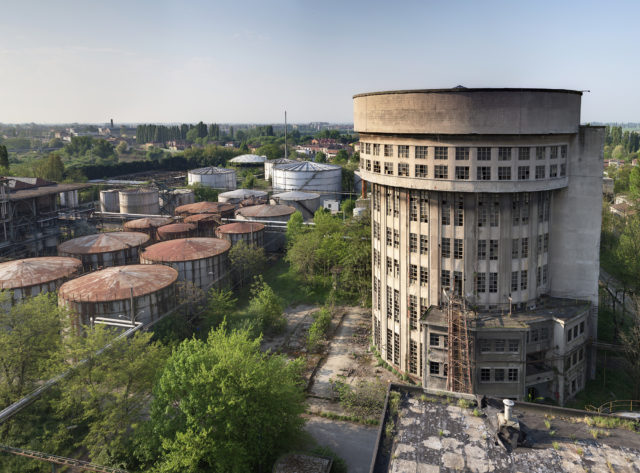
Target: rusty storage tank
[
  {"x": 147, "y": 225},
  {"x": 202, "y": 261},
  {"x": 105, "y": 249},
  {"x": 305, "y": 202},
  {"x": 272, "y": 213},
  {"x": 109, "y": 201},
  {"x": 223, "y": 209},
  {"x": 171, "y": 199},
  {"x": 206, "y": 224},
  {"x": 176, "y": 230},
  {"x": 240, "y": 195},
  {"x": 142, "y": 291},
  {"x": 140, "y": 201},
  {"x": 33, "y": 276},
  {"x": 250, "y": 232}
]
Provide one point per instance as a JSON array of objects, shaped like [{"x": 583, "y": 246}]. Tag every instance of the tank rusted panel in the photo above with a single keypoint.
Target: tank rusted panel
[
  {"x": 105, "y": 249},
  {"x": 240, "y": 227},
  {"x": 266, "y": 212},
  {"x": 185, "y": 249},
  {"x": 206, "y": 223},
  {"x": 250, "y": 232},
  {"x": 221, "y": 208},
  {"x": 176, "y": 230},
  {"x": 147, "y": 225},
  {"x": 34, "y": 271}
]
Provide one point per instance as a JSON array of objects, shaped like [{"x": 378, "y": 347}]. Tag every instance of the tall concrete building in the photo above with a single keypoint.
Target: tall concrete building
[{"x": 486, "y": 213}]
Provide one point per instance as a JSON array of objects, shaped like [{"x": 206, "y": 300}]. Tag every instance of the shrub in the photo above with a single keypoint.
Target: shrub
[
  {"x": 319, "y": 328},
  {"x": 364, "y": 399}
]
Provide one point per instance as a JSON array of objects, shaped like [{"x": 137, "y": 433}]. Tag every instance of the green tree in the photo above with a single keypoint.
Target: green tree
[
  {"x": 347, "y": 206},
  {"x": 634, "y": 184},
  {"x": 155, "y": 154},
  {"x": 271, "y": 151},
  {"x": 246, "y": 260},
  {"x": 295, "y": 227},
  {"x": 122, "y": 147},
  {"x": 320, "y": 157},
  {"x": 221, "y": 405},
  {"x": 50, "y": 168},
  {"x": 4, "y": 157},
  {"x": 628, "y": 253},
  {"x": 355, "y": 158},
  {"x": 220, "y": 304},
  {"x": 266, "y": 308},
  {"x": 102, "y": 148},
  {"x": 631, "y": 345},
  {"x": 341, "y": 157}
]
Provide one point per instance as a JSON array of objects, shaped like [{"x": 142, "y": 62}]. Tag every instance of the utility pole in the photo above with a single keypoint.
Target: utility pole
[{"x": 285, "y": 134}]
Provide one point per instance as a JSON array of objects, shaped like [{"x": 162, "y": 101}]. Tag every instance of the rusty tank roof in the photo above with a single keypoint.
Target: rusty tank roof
[
  {"x": 148, "y": 222},
  {"x": 265, "y": 211},
  {"x": 103, "y": 242},
  {"x": 186, "y": 249},
  {"x": 34, "y": 271},
  {"x": 176, "y": 228},
  {"x": 241, "y": 227},
  {"x": 118, "y": 282},
  {"x": 202, "y": 218},
  {"x": 205, "y": 208}
]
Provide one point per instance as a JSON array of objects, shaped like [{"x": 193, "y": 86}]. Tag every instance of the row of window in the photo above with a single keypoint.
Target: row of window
[
  {"x": 393, "y": 350},
  {"x": 463, "y": 153},
  {"x": 574, "y": 358},
  {"x": 498, "y": 375},
  {"x": 462, "y": 173},
  {"x": 573, "y": 333},
  {"x": 499, "y": 345}
]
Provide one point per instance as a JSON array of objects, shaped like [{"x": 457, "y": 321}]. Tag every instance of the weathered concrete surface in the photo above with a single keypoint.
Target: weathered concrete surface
[
  {"x": 353, "y": 442},
  {"x": 297, "y": 318}
]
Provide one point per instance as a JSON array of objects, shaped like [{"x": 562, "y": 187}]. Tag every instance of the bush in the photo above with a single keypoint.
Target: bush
[
  {"x": 364, "y": 399},
  {"x": 266, "y": 307},
  {"x": 319, "y": 328}
]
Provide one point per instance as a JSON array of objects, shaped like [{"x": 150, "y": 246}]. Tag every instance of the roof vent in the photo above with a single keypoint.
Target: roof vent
[{"x": 459, "y": 87}]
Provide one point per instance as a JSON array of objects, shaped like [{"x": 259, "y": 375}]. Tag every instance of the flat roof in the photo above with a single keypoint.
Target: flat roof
[
  {"x": 466, "y": 90},
  {"x": 45, "y": 190}
]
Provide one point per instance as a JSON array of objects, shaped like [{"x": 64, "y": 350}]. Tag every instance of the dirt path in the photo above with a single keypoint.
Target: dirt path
[{"x": 298, "y": 320}]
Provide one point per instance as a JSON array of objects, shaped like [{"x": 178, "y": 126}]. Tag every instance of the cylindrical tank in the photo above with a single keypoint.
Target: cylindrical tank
[
  {"x": 139, "y": 201},
  {"x": 69, "y": 199},
  {"x": 308, "y": 176},
  {"x": 202, "y": 261},
  {"x": 105, "y": 249},
  {"x": 176, "y": 230},
  {"x": 218, "y": 178},
  {"x": 306, "y": 202},
  {"x": 251, "y": 233},
  {"x": 147, "y": 225},
  {"x": 206, "y": 224},
  {"x": 109, "y": 201},
  {"x": 140, "y": 291},
  {"x": 269, "y": 165},
  {"x": 248, "y": 160},
  {"x": 272, "y": 213},
  {"x": 240, "y": 195},
  {"x": 220, "y": 208},
  {"x": 175, "y": 198},
  {"x": 32, "y": 276}
]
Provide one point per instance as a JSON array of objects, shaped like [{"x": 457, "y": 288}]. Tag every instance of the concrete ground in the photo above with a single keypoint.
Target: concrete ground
[
  {"x": 297, "y": 319},
  {"x": 353, "y": 442}
]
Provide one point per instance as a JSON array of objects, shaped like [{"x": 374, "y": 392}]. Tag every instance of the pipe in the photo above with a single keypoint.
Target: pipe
[{"x": 508, "y": 407}]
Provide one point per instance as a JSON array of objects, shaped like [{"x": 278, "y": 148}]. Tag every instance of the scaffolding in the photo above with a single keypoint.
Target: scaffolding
[{"x": 459, "y": 370}]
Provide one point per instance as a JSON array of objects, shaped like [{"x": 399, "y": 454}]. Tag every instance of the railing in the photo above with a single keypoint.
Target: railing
[
  {"x": 617, "y": 406},
  {"x": 57, "y": 460}
]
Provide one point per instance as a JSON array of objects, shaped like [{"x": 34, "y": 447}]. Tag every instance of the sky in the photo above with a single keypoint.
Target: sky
[{"x": 247, "y": 61}]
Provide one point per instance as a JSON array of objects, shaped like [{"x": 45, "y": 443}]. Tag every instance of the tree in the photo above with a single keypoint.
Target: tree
[
  {"x": 634, "y": 184},
  {"x": 266, "y": 308},
  {"x": 341, "y": 157},
  {"x": 50, "y": 168},
  {"x": 102, "y": 148},
  {"x": 220, "y": 304},
  {"x": 355, "y": 158},
  {"x": 246, "y": 260},
  {"x": 320, "y": 157},
  {"x": 122, "y": 147},
  {"x": 4, "y": 157},
  {"x": 347, "y": 206},
  {"x": 295, "y": 227},
  {"x": 631, "y": 345},
  {"x": 155, "y": 154},
  {"x": 628, "y": 253},
  {"x": 221, "y": 405},
  {"x": 271, "y": 151}
]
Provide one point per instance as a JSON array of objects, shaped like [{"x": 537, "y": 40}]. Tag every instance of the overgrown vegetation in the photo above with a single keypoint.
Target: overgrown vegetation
[
  {"x": 319, "y": 329},
  {"x": 364, "y": 399}
]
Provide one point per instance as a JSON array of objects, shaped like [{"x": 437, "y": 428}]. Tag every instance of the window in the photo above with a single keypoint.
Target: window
[
  {"x": 421, "y": 152},
  {"x": 389, "y": 302},
  {"x": 485, "y": 375},
  {"x": 458, "y": 212},
  {"x": 396, "y": 349},
  {"x": 376, "y": 331},
  {"x": 457, "y": 283},
  {"x": 563, "y": 151},
  {"x": 446, "y": 247},
  {"x": 434, "y": 340},
  {"x": 368, "y": 161},
  {"x": 553, "y": 170},
  {"x": 581, "y": 327},
  {"x": 485, "y": 345},
  {"x": 544, "y": 333},
  {"x": 539, "y": 277},
  {"x": 553, "y": 152},
  {"x": 482, "y": 212},
  {"x": 413, "y": 357},
  {"x": 514, "y": 281},
  {"x": 421, "y": 170},
  {"x": 524, "y": 248},
  {"x": 462, "y": 173},
  {"x": 441, "y": 172},
  {"x": 367, "y": 148},
  {"x": 539, "y": 244},
  {"x": 396, "y": 305},
  {"x": 413, "y": 273},
  {"x": 483, "y": 173},
  {"x": 376, "y": 149},
  {"x": 504, "y": 173},
  {"x": 544, "y": 274},
  {"x": 388, "y": 151},
  {"x": 540, "y": 174},
  {"x": 396, "y": 268},
  {"x": 376, "y": 257},
  {"x": 481, "y": 283},
  {"x": 569, "y": 335},
  {"x": 482, "y": 249},
  {"x": 499, "y": 345},
  {"x": 484, "y": 154},
  {"x": 424, "y": 207},
  {"x": 575, "y": 332},
  {"x": 523, "y": 279},
  {"x": 389, "y": 241},
  {"x": 424, "y": 244},
  {"x": 434, "y": 368},
  {"x": 403, "y": 151},
  {"x": 513, "y": 374},
  {"x": 446, "y": 213},
  {"x": 445, "y": 279},
  {"x": 413, "y": 243},
  {"x": 563, "y": 170},
  {"x": 396, "y": 238},
  {"x": 413, "y": 208},
  {"x": 493, "y": 282},
  {"x": 513, "y": 345},
  {"x": 424, "y": 276},
  {"x": 494, "y": 216},
  {"x": 504, "y": 154},
  {"x": 515, "y": 248},
  {"x": 523, "y": 173},
  {"x": 457, "y": 248},
  {"x": 441, "y": 152},
  {"x": 403, "y": 169},
  {"x": 498, "y": 375},
  {"x": 388, "y": 169},
  {"x": 540, "y": 152},
  {"x": 376, "y": 166},
  {"x": 493, "y": 250},
  {"x": 462, "y": 154},
  {"x": 413, "y": 312},
  {"x": 376, "y": 231},
  {"x": 389, "y": 266},
  {"x": 389, "y": 344},
  {"x": 523, "y": 154}
]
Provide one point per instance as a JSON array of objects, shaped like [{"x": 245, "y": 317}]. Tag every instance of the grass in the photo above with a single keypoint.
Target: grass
[
  {"x": 610, "y": 423},
  {"x": 346, "y": 418},
  {"x": 463, "y": 403},
  {"x": 547, "y": 424},
  {"x": 476, "y": 412},
  {"x": 556, "y": 445}
]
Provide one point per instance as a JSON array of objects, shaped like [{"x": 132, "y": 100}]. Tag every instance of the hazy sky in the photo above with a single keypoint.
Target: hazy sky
[{"x": 248, "y": 61}]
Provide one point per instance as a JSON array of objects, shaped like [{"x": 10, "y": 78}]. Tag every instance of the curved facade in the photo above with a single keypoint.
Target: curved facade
[
  {"x": 308, "y": 176},
  {"x": 139, "y": 201},
  {"x": 480, "y": 196}
]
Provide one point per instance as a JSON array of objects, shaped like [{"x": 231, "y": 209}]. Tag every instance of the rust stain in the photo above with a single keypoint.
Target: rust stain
[
  {"x": 33, "y": 271},
  {"x": 186, "y": 249}
]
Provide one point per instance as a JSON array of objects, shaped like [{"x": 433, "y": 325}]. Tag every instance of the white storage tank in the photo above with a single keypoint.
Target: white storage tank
[
  {"x": 202, "y": 261},
  {"x": 69, "y": 199},
  {"x": 105, "y": 249},
  {"x": 218, "y": 178},
  {"x": 139, "y": 201},
  {"x": 308, "y": 176},
  {"x": 252, "y": 233},
  {"x": 248, "y": 160},
  {"x": 32, "y": 276},
  {"x": 269, "y": 165},
  {"x": 305, "y": 202},
  {"x": 109, "y": 201},
  {"x": 240, "y": 195},
  {"x": 141, "y": 291}
]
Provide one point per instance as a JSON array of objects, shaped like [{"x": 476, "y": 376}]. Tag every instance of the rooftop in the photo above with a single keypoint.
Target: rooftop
[
  {"x": 176, "y": 228},
  {"x": 307, "y": 166},
  {"x": 296, "y": 195},
  {"x": 204, "y": 208},
  {"x": 32, "y": 271},
  {"x": 148, "y": 222},
  {"x": 248, "y": 158},
  {"x": 211, "y": 170},
  {"x": 436, "y": 433},
  {"x": 186, "y": 249},
  {"x": 103, "y": 242},
  {"x": 242, "y": 193},
  {"x": 265, "y": 210},
  {"x": 21, "y": 188},
  {"x": 460, "y": 89},
  {"x": 240, "y": 227}
]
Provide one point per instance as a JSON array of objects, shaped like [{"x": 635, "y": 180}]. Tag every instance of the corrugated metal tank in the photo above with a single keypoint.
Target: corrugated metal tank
[
  {"x": 269, "y": 213},
  {"x": 305, "y": 202},
  {"x": 176, "y": 230},
  {"x": 219, "y": 208},
  {"x": 250, "y": 232},
  {"x": 176, "y": 198},
  {"x": 139, "y": 201},
  {"x": 206, "y": 224},
  {"x": 269, "y": 165},
  {"x": 307, "y": 176},
  {"x": 142, "y": 291},
  {"x": 218, "y": 178},
  {"x": 105, "y": 249},
  {"x": 69, "y": 199},
  {"x": 239, "y": 195},
  {"x": 148, "y": 225},
  {"x": 32, "y": 276},
  {"x": 109, "y": 201},
  {"x": 201, "y": 261}
]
